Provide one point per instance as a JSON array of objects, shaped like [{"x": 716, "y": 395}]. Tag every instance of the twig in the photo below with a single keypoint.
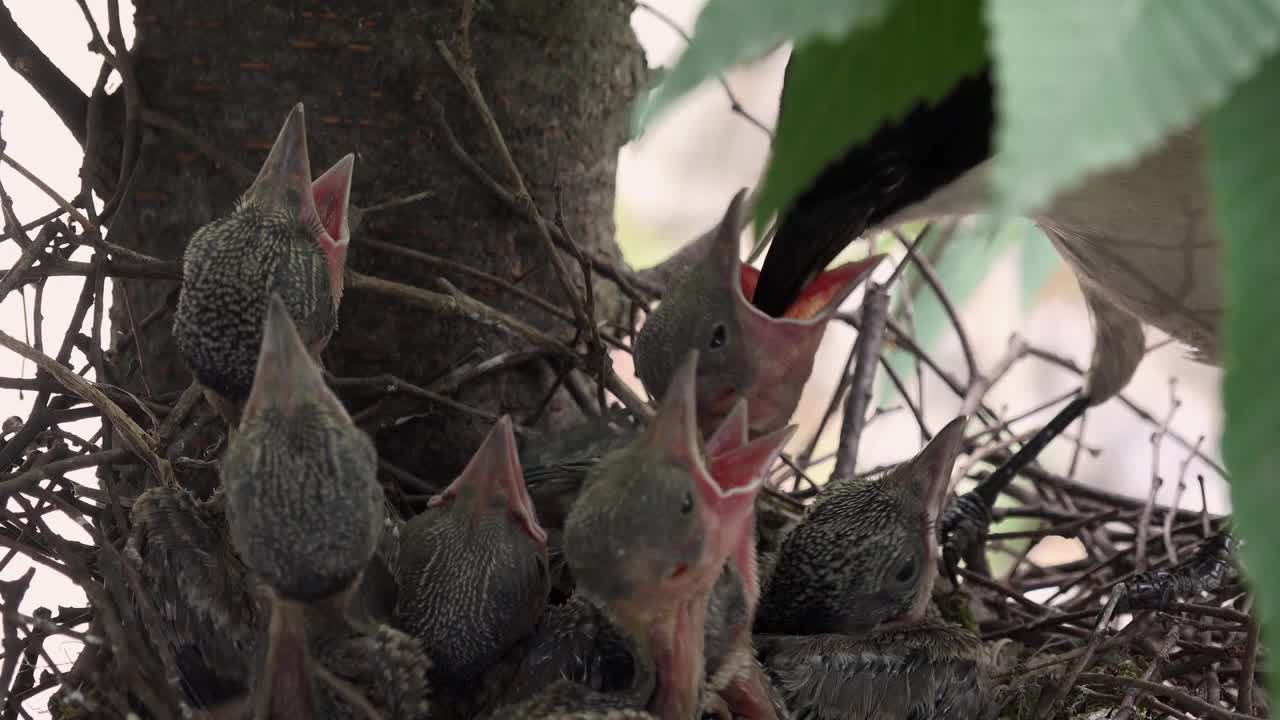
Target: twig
[
  {"x": 935, "y": 284},
  {"x": 458, "y": 303},
  {"x": 980, "y": 385},
  {"x": 241, "y": 172},
  {"x": 24, "y": 481},
  {"x": 14, "y": 276},
  {"x": 1069, "y": 364},
  {"x": 134, "y": 437},
  {"x": 628, "y": 283},
  {"x": 1169, "y": 545},
  {"x": 1104, "y": 620},
  {"x": 63, "y": 96},
  {"x": 1248, "y": 667},
  {"x": 1144, "y": 523},
  {"x": 1131, "y": 698},
  {"x": 875, "y": 311},
  {"x": 1178, "y": 696},
  {"x": 734, "y": 105},
  {"x": 467, "y": 77},
  {"x": 11, "y": 593},
  {"x": 67, "y": 207}
]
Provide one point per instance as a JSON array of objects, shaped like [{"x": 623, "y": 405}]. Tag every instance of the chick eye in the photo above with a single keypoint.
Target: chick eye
[
  {"x": 686, "y": 504},
  {"x": 718, "y": 335},
  {"x": 906, "y": 572}
]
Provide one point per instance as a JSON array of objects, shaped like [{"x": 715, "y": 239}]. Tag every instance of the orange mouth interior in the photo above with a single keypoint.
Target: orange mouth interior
[{"x": 820, "y": 291}]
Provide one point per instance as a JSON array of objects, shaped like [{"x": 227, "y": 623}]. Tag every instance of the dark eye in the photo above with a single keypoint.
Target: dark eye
[
  {"x": 718, "y": 335},
  {"x": 686, "y": 504},
  {"x": 906, "y": 572}
]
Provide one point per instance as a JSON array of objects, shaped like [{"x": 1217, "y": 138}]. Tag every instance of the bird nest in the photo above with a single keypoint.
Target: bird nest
[{"x": 1153, "y": 619}]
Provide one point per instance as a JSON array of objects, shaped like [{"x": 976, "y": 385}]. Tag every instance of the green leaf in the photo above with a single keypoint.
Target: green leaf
[
  {"x": 838, "y": 93},
  {"x": 729, "y": 32},
  {"x": 1243, "y": 157},
  {"x": 1091, "y": 84}
]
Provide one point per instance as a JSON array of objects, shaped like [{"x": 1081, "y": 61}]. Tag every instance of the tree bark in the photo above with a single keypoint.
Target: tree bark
[{"x": 559, "y": 77}]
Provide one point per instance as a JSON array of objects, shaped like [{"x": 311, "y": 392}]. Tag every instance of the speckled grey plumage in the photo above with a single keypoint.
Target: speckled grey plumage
[
  {"x": 923, "y": 672},
  {"x": 555, "y": 468},
  {"x": 304, "y": 506},
  {"x": 726, "y": 611},
  {"x": 575, "y": 642},
  {"x": 203, "y": 591},
  {"x": 287, "y": 235},
  {"x": 388, "y": 667},
  {"x": 698, "y": 313},
  {"x": 836, "y": 569},
  {"x": 842, "y": 629},
  {"x": 229, "y": 269},
  {"x": 743, "y": 352},
  {"x": 578, "y": 665},
  {"x": 469, "y": 588},
  {"x": 201, "y": 588},
  {"x": 472, "y": 573},
  {"x": 865, "y": 551}
]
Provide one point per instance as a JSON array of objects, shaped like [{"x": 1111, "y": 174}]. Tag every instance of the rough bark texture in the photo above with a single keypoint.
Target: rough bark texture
[{"x": 559, "y": 76}]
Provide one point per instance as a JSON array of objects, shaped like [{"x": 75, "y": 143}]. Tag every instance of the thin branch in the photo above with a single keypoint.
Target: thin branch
[
  {"x": 466, "y": 75},
  {"x": 875, "y": 312},
  {"x": 66, "y": 100},
  {"x": 734, "y": 104},
  {"x": 134, "y": 437}
]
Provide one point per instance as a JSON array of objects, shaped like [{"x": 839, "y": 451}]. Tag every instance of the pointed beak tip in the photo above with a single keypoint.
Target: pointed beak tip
[
  {"x": 295, "y": 125},
  {"x": 682, "y": 390},
  {"x": 342, "y": 169},
  {"x": 954, "y": 430},
  {"x": 277, "y": 316},
  {"x": 498, "y": 457},
  {"x": 279, "y": 336},
  {"x": 285, "y": 177}
]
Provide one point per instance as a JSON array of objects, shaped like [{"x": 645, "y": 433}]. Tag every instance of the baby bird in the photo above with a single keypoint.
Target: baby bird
[
  {"x": 743, "y": 351},
  {"x": 842, "y": 629},
  {"x": 472, "y": 573},
  {"x": 650, "y": 534},
  {"x": 286, "y": 235},
  {"x": 304, "y": 508}
]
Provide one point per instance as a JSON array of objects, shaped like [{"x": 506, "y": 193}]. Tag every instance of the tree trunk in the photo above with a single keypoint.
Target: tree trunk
[{"x": 559, "y": 77}]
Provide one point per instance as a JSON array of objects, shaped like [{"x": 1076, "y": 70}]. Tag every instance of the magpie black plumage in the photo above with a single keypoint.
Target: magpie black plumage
[{"x": 1140, "y": 238}]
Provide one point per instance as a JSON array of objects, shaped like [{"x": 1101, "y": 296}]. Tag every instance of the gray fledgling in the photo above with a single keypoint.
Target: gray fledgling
[
  {"x": 472, "y": 575},
  {"x": 304, "y": 507},
  {"x": 743, "y": 353},
  {"x": 577, "y": 642},
  {"x": 842, "y": 629},
  {"x": 286, "y": 235},
  {"x": 651, "y": 532}
]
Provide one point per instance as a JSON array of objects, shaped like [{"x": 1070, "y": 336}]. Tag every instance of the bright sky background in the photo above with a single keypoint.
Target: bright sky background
[{"x": 37, "y": 139}]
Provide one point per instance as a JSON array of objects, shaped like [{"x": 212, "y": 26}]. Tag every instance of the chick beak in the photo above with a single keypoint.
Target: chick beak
[
  {"x": 287, "y": 376},
  {"x": 287, "y": 689},
  {"x": 928, "y": 476},
  {"x": 284, "y": 182},
  {"x": 787, "y": 345},
  {"x": 732, "y": 432},
  {"x": 493, "y": 478},
  {"x": 331, "y": 193}
]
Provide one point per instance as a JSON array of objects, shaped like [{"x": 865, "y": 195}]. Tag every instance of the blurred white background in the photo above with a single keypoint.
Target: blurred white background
[{"x": 672, "y": 185}]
